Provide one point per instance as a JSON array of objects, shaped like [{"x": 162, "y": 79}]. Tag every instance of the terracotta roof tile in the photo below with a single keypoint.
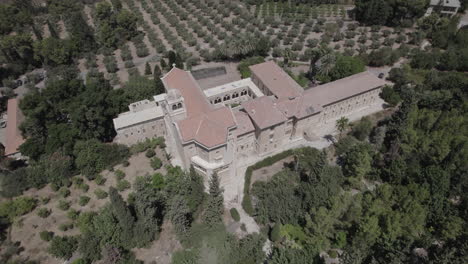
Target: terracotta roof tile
[
  {"x": 195, "y": 100},
  {"x": 278, "y": 81},
  {"x": 264, "y": 111},
  {"x": 244, "y": 124},
  {"x": 341, "y": 89}
]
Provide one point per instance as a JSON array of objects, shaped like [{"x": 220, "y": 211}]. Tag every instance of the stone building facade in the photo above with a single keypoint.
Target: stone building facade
[{"x": 214, "y": 128}]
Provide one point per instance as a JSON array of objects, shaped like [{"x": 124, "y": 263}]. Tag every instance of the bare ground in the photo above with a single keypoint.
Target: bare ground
[{"x": 26, "y": 229}]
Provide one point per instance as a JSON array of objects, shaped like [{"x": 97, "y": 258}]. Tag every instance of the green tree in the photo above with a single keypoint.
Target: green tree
[
  {"x": 362, "y": 129},
  {"x": 122, "y": 213},
  {"x": 357, "y": 161},
  {"x": 214, "y": 204},
  {"x": 157, "y": 80},
  {"x": 180, "y": 216},
  {"x": 342, "y": 124},
  {"x": 63, "y": 247},
  {"x": 148, "y": 69}
]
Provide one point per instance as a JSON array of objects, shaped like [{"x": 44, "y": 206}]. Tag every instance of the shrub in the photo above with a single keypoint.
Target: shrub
[
  {"x": 45, "y": 200},
  {"x": 332, "y": 254},
  {"x": 150, "y": 153},
  {"x": 123, "y": 185},
  {"x": 63, "y": 247},
  {"x": 129, "y": 64},
  {"x": 84, "y": 187},
  {"x": 73, "y": 214},
  {"x": 126, "y": 163},
  {"x": 100, "y": 194},
  {"x": 275, "y": 235},
  {"x": 243, "y": 227},
  {"x": 46, "y": 235},
  {"x": 119, "y": 174},
  {"x": 100, "y": 180},
  {"x": 84, "y": 200},
  {"x": 65, "y": 227},
  {"x": 64, "y": 192},
  {"x": 43, "y": 212},
  {"x": 246, "y": 201},
  {"x": 235, "y": 214},
  {"x": 17, "y": 207},
  {"x": 63, "y": 205},
  {"x": 156, "y": 163}
]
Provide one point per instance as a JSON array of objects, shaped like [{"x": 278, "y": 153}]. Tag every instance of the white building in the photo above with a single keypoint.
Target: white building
[{"x": 444, "y": 7}]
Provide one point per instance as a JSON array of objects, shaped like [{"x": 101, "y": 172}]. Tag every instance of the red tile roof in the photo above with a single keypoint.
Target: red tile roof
[
  {"x": 341, "y": 89},
  {"x": 244, "y": 124},
  {"x": 276, "y": 80},
  {"x": 13, "y": 135},
  {"x": 195, "y": 100},
  {"x": 204, "y": 124},
  {"x": 264, "y": 111}
]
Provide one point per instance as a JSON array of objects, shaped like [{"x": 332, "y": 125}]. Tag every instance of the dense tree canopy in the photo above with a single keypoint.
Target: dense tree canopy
[{"x": 394, "y": 12}]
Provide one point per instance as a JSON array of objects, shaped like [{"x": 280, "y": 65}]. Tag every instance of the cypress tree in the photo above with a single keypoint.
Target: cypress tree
[
  {"x": 214, "y": 208},
  {"x": 148, "y": 69},
  {"x": 123, "y": 214},
  {"x": 163, "y": 64},
  {"x": 157, "y": 80}
]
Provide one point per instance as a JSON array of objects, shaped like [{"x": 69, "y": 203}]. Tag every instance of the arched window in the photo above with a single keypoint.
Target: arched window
[
  {"x": 174, "y": 107},
  {"x": 217, "y": 100},
  {"x": 235, "y": 95},
  {"x": 179, "y": 105},
  {"x": 244, "y": 92},
  {"x": 226, "y": 97}
]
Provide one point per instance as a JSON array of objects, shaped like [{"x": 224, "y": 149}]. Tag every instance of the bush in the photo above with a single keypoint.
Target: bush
[
  {"x": 65, "y": 227},
  {"x": 100, "y": 180},
  {"x": 244, "y": 64},
  {"x": 17, "y": 207},
  {"x": 123, "y": 185},
  {"x": 156, "y": 163},
  {"x": 45, "y": 200},
  {"x": 119, "y": 174},
  {"x": 63, "y": 205},
  {"x": 63, "y": 247},
  {"x": 126, "y": 163},
  {"x": 64, "y": 192},
  {"x": 234, "y": 214},
  {"x": 100, "y": 194},
  {"x": 246, "y": 201},
  {"x": 150, "y": 153},
  {"x": 46, "y": 235},
  {"x": 73, "y": 214},
  {"x": 43, "y": 212},
  {"x": 332, "y": 254},
  {"x": 84, "y": 200},
  {"x": 84, "y": 187},
  {"x": 275, "y": 235}
]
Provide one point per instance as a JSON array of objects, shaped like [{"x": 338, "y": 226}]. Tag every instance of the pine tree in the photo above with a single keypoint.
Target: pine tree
[
  {"x": 179, "y": 63},
  {"x": 163, "y": 64},
  {"x": 172, "y": 57},
  {"x": 157, "y": 80},
  {"x": 122, "y": 213},
  {"x": 179, "y": 213},
  {"x": 197, "y": 190},
  {"x": 214, "y": 207},
  {"x": 148, "y": 69}
]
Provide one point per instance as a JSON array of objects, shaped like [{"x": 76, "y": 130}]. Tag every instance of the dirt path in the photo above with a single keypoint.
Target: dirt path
[
  {"x": 62, "y": 30},
  {"x": 89, "y": 17},
  {"x": 156, "y": 28},
  {"x": 100, "y": 64},
  {"x": 122, "y": 73}
]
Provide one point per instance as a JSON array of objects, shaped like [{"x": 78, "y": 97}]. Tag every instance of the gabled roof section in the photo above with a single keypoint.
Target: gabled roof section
[
  {"x": 13, "y": 135},
  {"x": 264, "y": 112},
  {"x": 244, "y": 124},
  {"x": 298, "y": 107},
  {"x": 183, "y": 81},
  {"x": 210, "y": 129},
  {"x": 276, "y": 80},
  {"x": 343, "y": 88}
]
